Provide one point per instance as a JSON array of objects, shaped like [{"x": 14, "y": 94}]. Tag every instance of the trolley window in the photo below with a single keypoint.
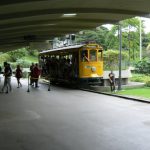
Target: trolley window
[
  {"x": 84, "y": 55},
  {"x": 100, "y": 55},
  {"x": 93, "y": 56}
]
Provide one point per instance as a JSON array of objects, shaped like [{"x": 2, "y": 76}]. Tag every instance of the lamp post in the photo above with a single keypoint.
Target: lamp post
[
  {"x": 140, "y": 38},
  {"x": 120, "y": 54}
]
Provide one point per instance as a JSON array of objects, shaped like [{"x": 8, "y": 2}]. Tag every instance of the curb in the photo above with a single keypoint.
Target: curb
[{"x": 115, "y": 95}]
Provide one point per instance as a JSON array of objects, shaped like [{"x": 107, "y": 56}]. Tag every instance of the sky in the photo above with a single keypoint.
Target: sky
[{"x": 146, "y": 22}]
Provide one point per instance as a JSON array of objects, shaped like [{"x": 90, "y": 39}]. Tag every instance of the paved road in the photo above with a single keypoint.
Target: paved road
[{"x": 67, "y": 119}]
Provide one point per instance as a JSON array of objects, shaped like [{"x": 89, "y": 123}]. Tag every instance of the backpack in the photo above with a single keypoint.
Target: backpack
[
  {"x": 9, "y": 73},
  {"x": 18, "y": 73}
]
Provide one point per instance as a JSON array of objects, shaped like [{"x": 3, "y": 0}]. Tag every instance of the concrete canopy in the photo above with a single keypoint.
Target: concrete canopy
[{"x": 24, "y": 21}]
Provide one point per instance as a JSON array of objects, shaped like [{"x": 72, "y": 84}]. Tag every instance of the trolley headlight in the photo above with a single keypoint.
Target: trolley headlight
[{"x": 93, "y": 69}]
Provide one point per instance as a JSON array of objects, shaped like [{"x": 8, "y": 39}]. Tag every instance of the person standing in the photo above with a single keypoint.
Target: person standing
[
  {"x": 0, "y": 69},
  {"x": 18, "y": 75},
  {"x": 36, "y": 74},
  {"x": 31, "y": 74},
  {"x": 112, "y": 81},
  {"x": 7, "y": 79},
  {"x": 0, "y": 73}
]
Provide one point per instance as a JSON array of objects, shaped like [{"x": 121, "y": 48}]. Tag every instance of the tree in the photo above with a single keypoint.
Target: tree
[
  {"x": 111, "y": 59},
  {"x": 108, "y": 38},
  {"x": 131, "y": 36},
  {"x": 99, "y": 36},
  {"x": 17, "y": 54}
]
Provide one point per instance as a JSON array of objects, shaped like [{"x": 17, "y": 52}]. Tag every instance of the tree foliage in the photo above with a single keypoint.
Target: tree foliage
[
  {"x": 17, "y": 54},
  {"x": 108, "y": 38},
  {"x": 111, "y": 58},
  {"x": 94, "y": 35},
  {"x": 4, "y": 57},
  {"x": 143, "y": 66}
]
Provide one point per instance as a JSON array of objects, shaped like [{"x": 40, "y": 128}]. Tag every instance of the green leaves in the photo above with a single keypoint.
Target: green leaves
[
  {"x": 111, "y": 58},
  {"x": 143, "y": 66}
]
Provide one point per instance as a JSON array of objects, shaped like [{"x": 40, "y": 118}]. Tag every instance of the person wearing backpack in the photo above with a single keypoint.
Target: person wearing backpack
[
  {"x": 18, "y": 75},
  {"x": 0, "y": 73}
]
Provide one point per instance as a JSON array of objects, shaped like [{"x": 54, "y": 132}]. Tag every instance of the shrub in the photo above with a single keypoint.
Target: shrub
[
  {"x": 32, "y": 52},
  {"x": 17, "y": 54},
  {"x": 137, "y": 78},
  {"x": 148, "y": 83},
  {"x": 4, "y": 57},
  {"x": 143, "y": 66},
  {"x": 140, "y": 78},
  {"x": 23, "y": 63}
]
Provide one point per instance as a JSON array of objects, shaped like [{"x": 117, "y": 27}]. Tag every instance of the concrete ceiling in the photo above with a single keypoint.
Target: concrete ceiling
[{"x": 22, "y": 21}]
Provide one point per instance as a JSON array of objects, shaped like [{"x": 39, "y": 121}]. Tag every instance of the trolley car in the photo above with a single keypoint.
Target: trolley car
[{"x": 78, "y": 64}]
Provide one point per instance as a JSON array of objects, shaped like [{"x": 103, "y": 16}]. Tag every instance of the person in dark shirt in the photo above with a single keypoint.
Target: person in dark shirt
[
  {"x": 36, "y": 74},
  {"x": 7, "y": 79},
  {"x": 0, "y": 73},
  {"x": 112, "y": 81},
  {"x": 31, "y": 74},
  {"x": 18, "y": 75},
  {"x": 0, "y": 69}
]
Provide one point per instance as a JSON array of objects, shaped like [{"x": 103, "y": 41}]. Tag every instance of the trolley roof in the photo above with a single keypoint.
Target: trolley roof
[
  {"x": 61, "y": 49},
  {"x": 71, "y": 48}
]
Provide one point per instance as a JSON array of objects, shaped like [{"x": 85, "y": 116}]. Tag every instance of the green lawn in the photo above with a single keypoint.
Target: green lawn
[{"x": 141, "y": 92}]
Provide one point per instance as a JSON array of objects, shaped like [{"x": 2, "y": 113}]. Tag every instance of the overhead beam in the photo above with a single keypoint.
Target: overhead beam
[
  {"x": 46, "y": 27},
  {"x": 49, "y": 21},
  {"x": 71, "y": 10},
  {"x": 34, "y": 32},
  {"x": 10, "y": 2},
  {"x": 50, "y": 34}
]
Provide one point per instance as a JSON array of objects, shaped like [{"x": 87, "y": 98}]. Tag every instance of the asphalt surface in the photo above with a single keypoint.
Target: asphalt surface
[{"x": 71, "y": 119}]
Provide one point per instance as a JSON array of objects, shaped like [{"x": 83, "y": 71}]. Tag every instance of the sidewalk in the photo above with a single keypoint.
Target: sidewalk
[{"x": 106, "y": 91}]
